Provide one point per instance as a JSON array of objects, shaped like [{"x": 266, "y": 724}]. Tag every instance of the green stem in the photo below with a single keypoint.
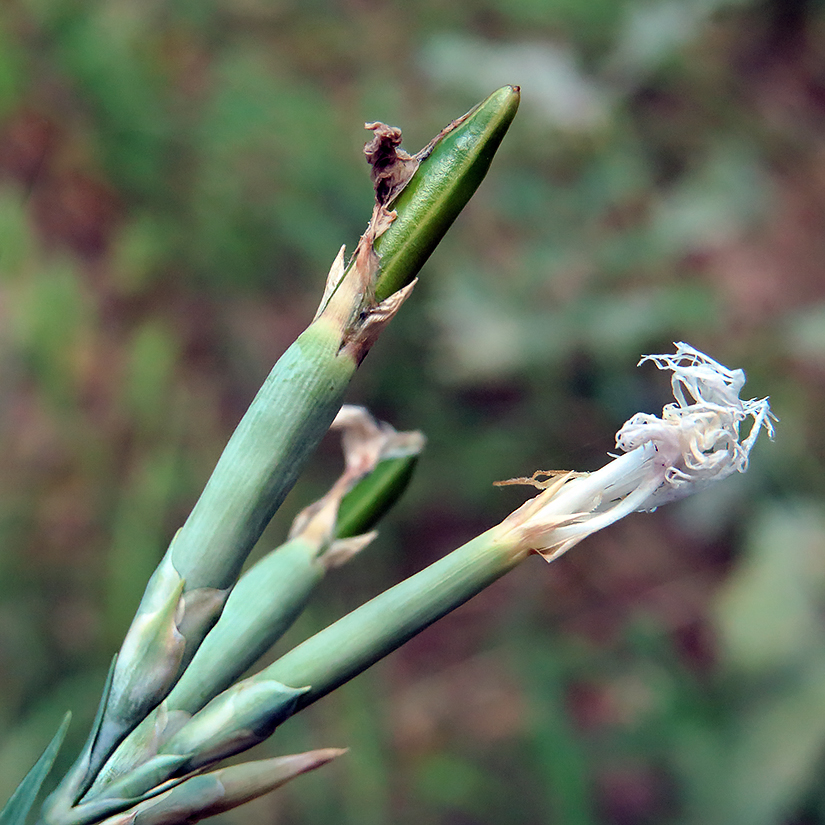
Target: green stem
[
  {"x": 353, "y": 643},
  {"x": 262, "y": 605},
  {"x": 283, "y": 425},
  {"x": 303, "y": 392}
]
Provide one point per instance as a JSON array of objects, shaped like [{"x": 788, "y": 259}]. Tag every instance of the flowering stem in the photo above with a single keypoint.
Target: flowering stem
[
  {"x": 696, "y": 442},
  {"x": 367, "y": 634}
]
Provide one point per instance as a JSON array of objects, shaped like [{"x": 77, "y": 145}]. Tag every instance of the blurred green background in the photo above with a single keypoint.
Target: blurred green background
[{"x": 175, "y": 180}]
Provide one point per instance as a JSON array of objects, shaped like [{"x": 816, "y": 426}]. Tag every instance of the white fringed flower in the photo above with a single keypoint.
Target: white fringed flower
[{"x": 695, "y": 443}]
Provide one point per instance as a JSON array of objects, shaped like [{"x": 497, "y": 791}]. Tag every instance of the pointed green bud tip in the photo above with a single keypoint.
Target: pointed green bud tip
[
  {"x": 379, "y": 462},
  {"x": 417, "y": 198},
  {"x": 252, "y": 779},
  {"x": 240, "y": 717},
  {"x": 449, "y": 171},
  {"x": 214, "y": 793}
]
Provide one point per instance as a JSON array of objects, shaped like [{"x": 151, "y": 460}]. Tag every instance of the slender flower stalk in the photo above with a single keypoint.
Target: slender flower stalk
[
  {"x": 694, "y": 443},
  {"x": 353, "y": 643}
]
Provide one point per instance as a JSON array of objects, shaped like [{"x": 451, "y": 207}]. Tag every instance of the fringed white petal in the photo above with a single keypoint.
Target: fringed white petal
[{"x": 695, "y": 443}]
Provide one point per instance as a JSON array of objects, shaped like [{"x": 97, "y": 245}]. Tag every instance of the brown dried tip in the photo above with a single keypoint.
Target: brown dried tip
[
  {"x": 536, "y": 479},
  {"x": 391, "y": 167}
]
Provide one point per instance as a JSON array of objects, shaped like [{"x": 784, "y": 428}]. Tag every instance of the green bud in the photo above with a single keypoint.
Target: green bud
[
  {"x": 213, "y": 793},
  {"x": 450, "y": 170},
  {"x": 369, "y": 500},
  {"x": 233, "y": 721}
]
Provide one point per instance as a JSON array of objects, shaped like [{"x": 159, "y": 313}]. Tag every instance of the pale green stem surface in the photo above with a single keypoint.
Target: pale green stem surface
[
  {"x": 269, "y": 596},
  {"x": 353, "y": 643},
  {"x": 282, "y": 427},
  {"x": 262, "y": 605}
]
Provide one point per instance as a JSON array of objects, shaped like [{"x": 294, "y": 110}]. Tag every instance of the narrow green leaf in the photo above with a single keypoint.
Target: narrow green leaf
[
  {"x": 74, "y": 782},
  {"x": 213, "y": 793},
  {"x": 17, "y": 808}
]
